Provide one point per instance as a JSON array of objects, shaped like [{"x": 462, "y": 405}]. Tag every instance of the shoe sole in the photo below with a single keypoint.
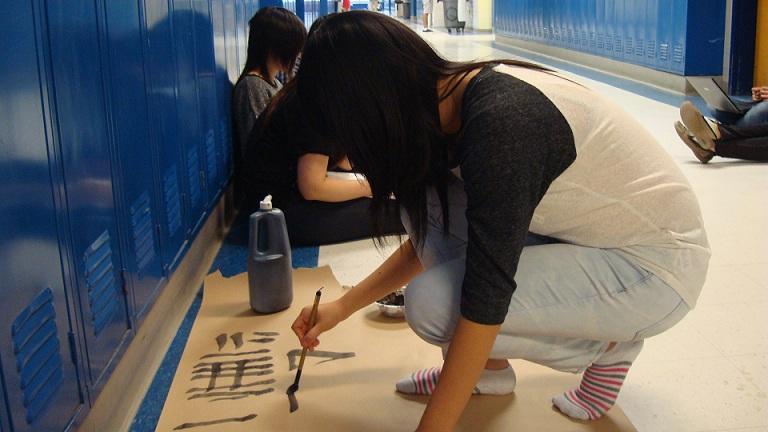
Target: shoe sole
[
  {"x": 697, "y": 125},
  {"x": 703, "y": 155}
]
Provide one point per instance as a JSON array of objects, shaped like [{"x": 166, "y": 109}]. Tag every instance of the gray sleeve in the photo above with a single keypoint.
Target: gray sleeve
[
  {"x": 513, "y": 146},
  {"x": 252, "y": 95}
]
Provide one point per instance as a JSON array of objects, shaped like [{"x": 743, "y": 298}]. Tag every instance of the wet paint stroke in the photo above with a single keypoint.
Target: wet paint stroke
[
  {"x": 327, "y": 355},
  {"x": 230, "y": 394},
  {"x": 215, "y": 422},
  {"x": 221, "y": 340},
  {"x": 261, "y": 351},
  {"x": 267, "y": 333},
  {"x": 262, "y": 340},
  {"x": 253, "y": 384},
  {"x": 237, "y": 339}
]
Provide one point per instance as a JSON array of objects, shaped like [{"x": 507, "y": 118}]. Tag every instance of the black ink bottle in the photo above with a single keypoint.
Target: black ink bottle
[{"x": 269, "y": 260}]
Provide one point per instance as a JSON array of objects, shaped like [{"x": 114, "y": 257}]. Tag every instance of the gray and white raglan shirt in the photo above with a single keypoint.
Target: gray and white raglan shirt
[{"x": 541, "y": 153}]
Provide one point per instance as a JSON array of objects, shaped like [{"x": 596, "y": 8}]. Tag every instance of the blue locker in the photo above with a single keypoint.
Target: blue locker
[
  {"x": 664, "y": 34},
  {"x": 39, "y": 378},
  {"x": 223, "y": 92},
  {"x": 680, "y": 14},
  {"x": 208, "y": 102},
  {"x": 704, "y": 37},
  {"x": 136, "y": 162},
  {"x": 188, "y": 123},
  {"x": 230, "y": 37},
  {"x": 651, "y": 32},
  {"x": 83, "y": 140},
  {"x": 589, "y": 15},
  {"x": 161, "y": 76}
]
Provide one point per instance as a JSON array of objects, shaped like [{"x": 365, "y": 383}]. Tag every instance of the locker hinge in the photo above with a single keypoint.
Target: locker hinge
[
  {"x": 158, "y": 238},
  {"x": 72, "y": 352},
  {"x": 124, "y": 281},
  {"x": 73, "y": 357},
  {"x": 124, "y": 284}
]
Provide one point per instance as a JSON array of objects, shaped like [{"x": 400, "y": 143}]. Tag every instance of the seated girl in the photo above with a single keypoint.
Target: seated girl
[
  {"x": 275, "y": 39},
  {"x": 285, "y": 159}
]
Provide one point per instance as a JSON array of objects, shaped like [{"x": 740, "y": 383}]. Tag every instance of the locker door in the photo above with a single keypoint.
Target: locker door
[
  {"x": 161, "y": 90},
  {"x": 223, "y": 91},
  {"x": 206, "y": 84},
  {"x": 83, "y": 141},
  {"x": 188, "y": 130},
  {"x": 39, "y": 385},
  {"x": 139, "y": 221},
  {"x": 230, "y": 36}
]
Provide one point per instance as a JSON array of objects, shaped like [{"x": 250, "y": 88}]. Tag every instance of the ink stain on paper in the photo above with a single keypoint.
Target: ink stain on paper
[
  {"x": 221, "y": 340},
  {"x": 237, "y": 339},
  {"x": 215, "y": 422},
  {"x": 327, "y": 355}
]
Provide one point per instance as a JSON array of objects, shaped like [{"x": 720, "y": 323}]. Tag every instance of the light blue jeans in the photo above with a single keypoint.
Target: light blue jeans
[{"x": 571, "y": 301}]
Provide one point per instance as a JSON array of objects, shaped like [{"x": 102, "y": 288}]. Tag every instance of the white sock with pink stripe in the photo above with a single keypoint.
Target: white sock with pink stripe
[
  {"x": 600, "y": 384},
  {"x": 491, "y": 382}
]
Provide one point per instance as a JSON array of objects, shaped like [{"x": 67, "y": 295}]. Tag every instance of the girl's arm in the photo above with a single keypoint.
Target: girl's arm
[
  {"x": 469, "y": 350},
  {"x": 315, "y": 185},
  {"x": 396, "y": 271}
]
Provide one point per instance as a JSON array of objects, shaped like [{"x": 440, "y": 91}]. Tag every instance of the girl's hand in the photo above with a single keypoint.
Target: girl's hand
[
  {"x": 328, "y": 316},
  {"x": 760, "y": 93}
]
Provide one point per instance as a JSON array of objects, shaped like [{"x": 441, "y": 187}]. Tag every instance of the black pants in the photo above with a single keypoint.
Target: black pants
[
  {"x": 318, "y": 223},
  {"x": 743, "y": 142}
]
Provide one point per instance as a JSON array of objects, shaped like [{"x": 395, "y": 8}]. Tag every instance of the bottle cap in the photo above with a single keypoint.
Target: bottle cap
[{"x": 266, "y": 203}]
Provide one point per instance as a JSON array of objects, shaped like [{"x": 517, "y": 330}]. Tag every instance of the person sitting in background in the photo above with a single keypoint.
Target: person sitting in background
[
  {"x": 275, "y": 39},
  {"x": 285, "y": 159},
  {"x": 746, "y": 137}
]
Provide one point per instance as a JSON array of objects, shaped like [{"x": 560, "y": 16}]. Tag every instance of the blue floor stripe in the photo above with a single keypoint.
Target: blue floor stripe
[
  {"x": 231, "y": 260},
  {"x": 152, "y": 405}
]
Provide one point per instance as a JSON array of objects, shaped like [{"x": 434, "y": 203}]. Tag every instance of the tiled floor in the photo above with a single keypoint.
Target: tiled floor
[{"x": 710, "y": 372}]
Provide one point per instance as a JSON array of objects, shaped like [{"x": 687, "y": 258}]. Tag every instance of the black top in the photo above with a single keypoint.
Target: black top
[
  {"x": 514, "y": 142},
  {"x": 278, "y": 139}
]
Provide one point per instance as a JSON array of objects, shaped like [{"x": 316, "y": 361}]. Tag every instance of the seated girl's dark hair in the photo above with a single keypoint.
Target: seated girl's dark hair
[
  {"x": 273, "y": 31},
  {"x": 369, "y": 83}
]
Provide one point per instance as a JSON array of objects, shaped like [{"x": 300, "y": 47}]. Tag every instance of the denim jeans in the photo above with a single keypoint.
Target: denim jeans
[{"x": 571, "y": 301}]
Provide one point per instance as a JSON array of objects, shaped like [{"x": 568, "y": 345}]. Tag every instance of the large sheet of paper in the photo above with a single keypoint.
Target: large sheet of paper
[{"x": 237, "y": 366}]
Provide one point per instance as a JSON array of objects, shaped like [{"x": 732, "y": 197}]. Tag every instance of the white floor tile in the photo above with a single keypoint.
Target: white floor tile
[{"x": 691, "y": 395}]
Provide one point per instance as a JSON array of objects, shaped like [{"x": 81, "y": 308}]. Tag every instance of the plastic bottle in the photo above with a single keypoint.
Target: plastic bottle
[{"x": 269, "y": 260}]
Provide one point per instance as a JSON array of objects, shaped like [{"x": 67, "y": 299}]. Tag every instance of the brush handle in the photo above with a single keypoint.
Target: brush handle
[{"x": 312, "y": 319}]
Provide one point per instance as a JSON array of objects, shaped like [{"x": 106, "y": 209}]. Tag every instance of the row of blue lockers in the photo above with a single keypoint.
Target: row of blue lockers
[
  {"x": 114, "y": 147},
  {"x": 684, "y": 37}
]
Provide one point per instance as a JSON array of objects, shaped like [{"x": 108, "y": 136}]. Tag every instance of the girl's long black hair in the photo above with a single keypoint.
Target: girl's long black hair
[
  {"x": 277, "y": 32},
  {"x": 369, "y": 84}
]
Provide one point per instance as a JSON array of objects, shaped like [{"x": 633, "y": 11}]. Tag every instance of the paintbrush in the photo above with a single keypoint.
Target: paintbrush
[{"x": 295, "y": 386}]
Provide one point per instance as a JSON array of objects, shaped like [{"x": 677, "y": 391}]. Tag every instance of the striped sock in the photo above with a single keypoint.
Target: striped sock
[
  {"x": 491, "y": 382},
  {"x": 600, "y": 384}
]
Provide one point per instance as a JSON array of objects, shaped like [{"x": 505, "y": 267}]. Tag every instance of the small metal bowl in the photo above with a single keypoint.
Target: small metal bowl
[{"x": 393, "y": 305}]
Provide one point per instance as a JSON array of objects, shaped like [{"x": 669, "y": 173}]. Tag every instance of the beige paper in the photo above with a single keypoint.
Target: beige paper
[{"x": 349, "y": 394}]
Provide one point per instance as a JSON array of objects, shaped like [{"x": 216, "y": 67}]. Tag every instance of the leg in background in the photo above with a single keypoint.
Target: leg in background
[
  {"x": 743, "y": 142},
  {"x": 312, "y": 223}
]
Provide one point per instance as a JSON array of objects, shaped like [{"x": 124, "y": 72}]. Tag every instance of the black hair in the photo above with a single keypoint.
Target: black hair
[
  {"x": 277, "y": 32},
  {"x": 369, "y": 84}
]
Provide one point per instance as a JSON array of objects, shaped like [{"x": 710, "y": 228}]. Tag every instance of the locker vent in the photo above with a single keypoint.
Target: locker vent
[
  {"x": 143, "y": 234},
  {"x": 172, "y": 200},
  {"x": 210, "y": 154},
  {"x": 650, "y": 49},
  {"x": 193, "y": 173},
  {"x": 100, "y": 280},
  {"x": 664, "y": 51},
  {"x": 677, "y": 53},
  {"x": 37, "y": 350}
]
